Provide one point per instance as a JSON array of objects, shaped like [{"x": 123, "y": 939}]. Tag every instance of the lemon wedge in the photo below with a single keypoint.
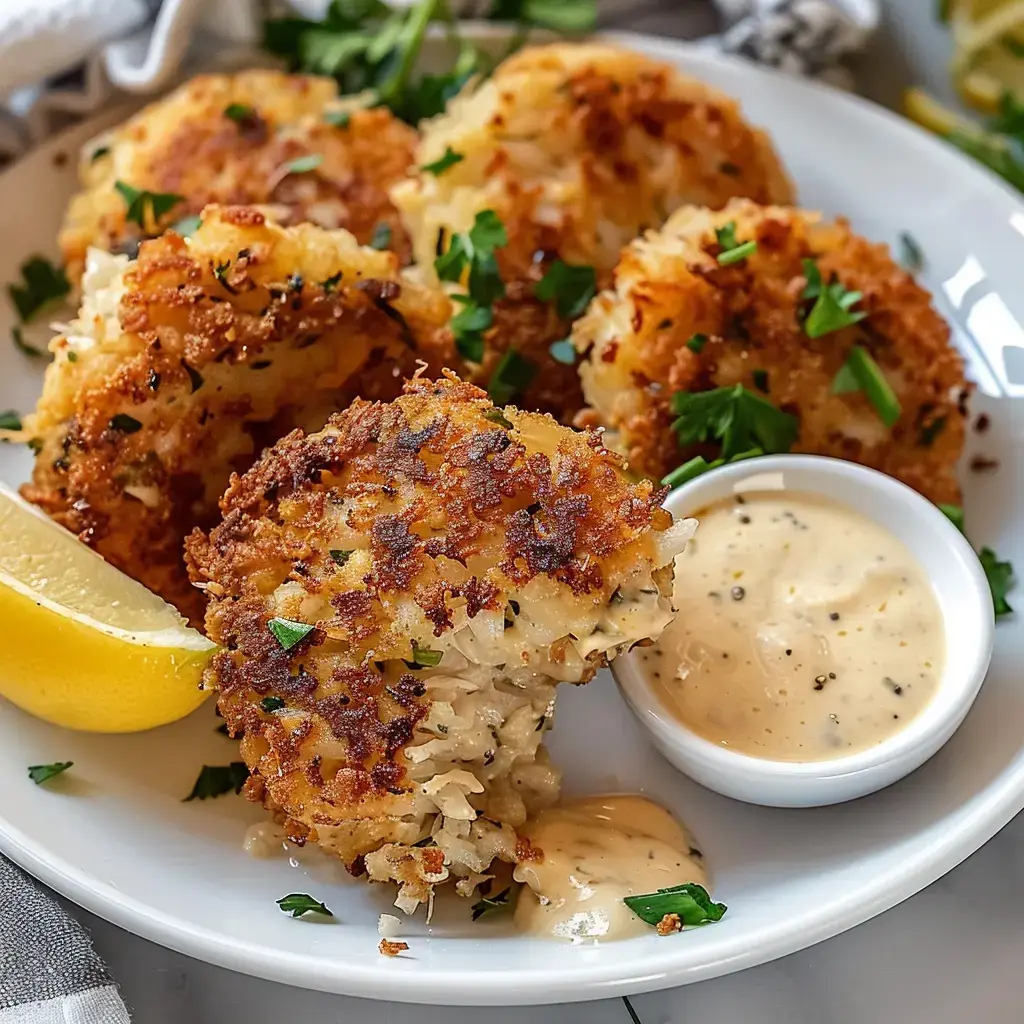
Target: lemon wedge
[
  {"x": 988, "y": 50},
  {"x": 84, "y": 645}
]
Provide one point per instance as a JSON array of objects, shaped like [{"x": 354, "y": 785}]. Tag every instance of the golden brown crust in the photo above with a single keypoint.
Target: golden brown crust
[
  {"x": 224, "y": 343},
  {"x": 185, "y": 144},
  {"x": 388, "y": 947},
  {"x": 670, "y": 287},
  {"x": 401, "y": 527}
]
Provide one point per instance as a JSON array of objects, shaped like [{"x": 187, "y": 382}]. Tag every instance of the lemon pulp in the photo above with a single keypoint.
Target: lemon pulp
[{"x": 86, "y": 646}]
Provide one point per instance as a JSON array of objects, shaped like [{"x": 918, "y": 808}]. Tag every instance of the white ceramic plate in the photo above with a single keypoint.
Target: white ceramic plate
[{"x": 118, "y": 840}]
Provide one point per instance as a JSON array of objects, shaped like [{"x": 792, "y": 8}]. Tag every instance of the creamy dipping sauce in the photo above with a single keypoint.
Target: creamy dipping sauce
[
  {"x": 805, "y": 631},
  {"x": 595, "y": 851}
]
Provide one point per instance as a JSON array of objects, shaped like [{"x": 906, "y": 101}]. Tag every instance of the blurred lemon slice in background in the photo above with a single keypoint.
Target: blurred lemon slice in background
[
  {"x": 988, "y": 50},
  {"x": 84, "y": 645}
]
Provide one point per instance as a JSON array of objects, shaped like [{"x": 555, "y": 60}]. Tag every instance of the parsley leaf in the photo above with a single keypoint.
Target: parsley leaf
[
  {"x": 10, "y": 420},
  {"x": 698, "y": 465},
  {"x": 339, "y": 557},
  {"x": 732, "y": 250},
  {"x": 569, "y": 16},
  {"x": 690, "y": 901},
  {"x": 142, "y": 203},
  {"x": 304, "y": 164},
  {"x": 697, "y": 342},
  {"x": 299, "y": 903},
  {"x": 424, "y": 657},
  {"x": 911, "y": 255},
  {"x": 288, "y": 632},
  {"x": 40, "y": 773},
  {"x": 381, "y": 236},
  {"x": 572, "y": 288},
  {"x": 491, "y": 904},
  {"x": 216, "y": 780},
  {"x": 511, "y": 376},
  {"x": 955, "y": 514},
  {"x": 338, "y": 118},
  {"x": 43, "y": 284},
  {"x": 1000, "y": 579},
  {"x": 468, "y": 326},
  {"x": 439, "y": 166},
  {"x": 270, "y": 704},
  {"x": 831, "y": 310},
  {"x": 861, "y": 373},
  {"x": 563, "y": 352},
  {"x": 240, "y": 113},
  {"x": 736, "y": 417},
  {"x": 497, "y": 416}
]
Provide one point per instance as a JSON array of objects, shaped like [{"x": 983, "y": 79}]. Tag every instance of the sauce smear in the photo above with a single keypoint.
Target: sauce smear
[
  {"x": 805, "y": 631},
  {"x": 597, "y": 850}
]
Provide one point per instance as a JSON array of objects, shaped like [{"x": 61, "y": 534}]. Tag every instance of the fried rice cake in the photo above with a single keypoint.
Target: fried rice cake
[
  {"x": 397, "y": 597},
  {"x": 183, "y": 365},
  {"x": 748, "y": 319},
  {"x": 577, "y": 147},
  {"x": 233, "y": 140}
]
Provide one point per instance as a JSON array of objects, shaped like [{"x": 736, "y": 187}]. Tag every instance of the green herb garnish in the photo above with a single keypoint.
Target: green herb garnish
[
  {"x": 140, "y": 202},
  {"x": 339, "y": 557},
  {"x": 439, "y": 166},
  {"x": 568, "y": 16},
  {"x": 563, "y": 352},
  {"x": 330, "y": 283},
  {"x": 10, "y": 420},
  {"x": 690, "y": 901},
  {"x": 1000, "y": 579},
  {"x": 288, "y": 632},
  {"x": 187, "y": 226},
  {"x": 732, "y": 250},
  {"x": 572, "y": 288},
  {"x": 511, "y": 377},
  {"x": 736, "y": 417},
  {"x": 270, "y": 704},
  {"x": 497, "y": 416},
  {"x": 491, "y": 904},
  {"x": 240, "y": 113},
  {"x": 43, "y": 284},
  {"x": 124, "y": 423},
  {"x": 18, "y": 338},
  {"x": 861, "y": 373},
  {"x": 698, "y": 465},
  {"x": 216, "y": 780},
  {"x": 299, "y": 903},
  {"x": 338, "y": 118},
  {"x": 97, "y": 153},
  {"x": 911, "y": 256},
  {"x": 424, "y": 657},
  {"x": 473, "y": 251},
  {"x": 381, "y": 236},
  {"x": 71, "y": 355},
  {"x": 468, "y": 326},
  {"x": 697, "y": 342},
  {"x": 304, "y": 164},
  {"x": 40, "y": 773},
  {"x": 832, "y": 304},
  {"x": 955, "y": 514}
]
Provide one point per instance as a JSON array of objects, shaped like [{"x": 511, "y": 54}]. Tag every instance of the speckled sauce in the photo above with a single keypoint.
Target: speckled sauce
[
  {"x": 597, "y": 850},
  {"x": 805, "y": 631}
]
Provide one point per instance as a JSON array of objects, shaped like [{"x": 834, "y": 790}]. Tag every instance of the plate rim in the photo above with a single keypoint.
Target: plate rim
[{"x": 991, "y": 811}]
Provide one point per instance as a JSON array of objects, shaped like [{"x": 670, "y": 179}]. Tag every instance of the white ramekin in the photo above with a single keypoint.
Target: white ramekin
[{"x": 964, "y": 600}]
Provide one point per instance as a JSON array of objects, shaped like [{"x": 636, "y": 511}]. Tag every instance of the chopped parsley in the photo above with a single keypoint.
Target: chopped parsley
[
  {"x": 568, "y": 16},
  {"x": 10, "y": 420},
  {"x": 689, "y": 901},
  {"x": 270, "y": 704},
  {"x": 497, "y": 416},
  {"x": 511, "y": 377},
  {"x": 72, "y": 356},
  {"x": 697, "y": 342},
  {"x": 124, "y": 423},
  {"x": 832, "y": 304},
  {"x": 18, "y": 338},
  {"x": 492, "y": 904},
  {"x": 861, "y": 373},
  {"x": 424, "y": 657},
  {"x": 187, "y": 226},
  {"x": 40, "y": 773},
  {"x": 146, "y": 208},
  {"x": 911, "y": 256},
  {"x": 288, "y": 632},
  {"x": 216, "y": 780},
  {"x": 381, "y": 236},
  {"x": 698, "y": 465},
  {"x": 339, "y": 557},
  {"x": 329, "y": 284},
  {"x": 572, "y": 288},
  {"x": 563, "y": 352},
  {"x": 733, "y": 251},
  {"x": 468, "y": 326},
  {"x": 955, "y": 514},
  {"x": 98, "y": 153},
  {"x": 241, "y": 113},
  {"x": 220, "y": 272},
  {"x": 304, "y": 164},
  {"x": 299, "y": 903},
  {"x": 1000, "y": 580},
  {"x": 439, "y": 166},
  {"x": 338, "y": 118},
  {"x": 42, "y": 284}
]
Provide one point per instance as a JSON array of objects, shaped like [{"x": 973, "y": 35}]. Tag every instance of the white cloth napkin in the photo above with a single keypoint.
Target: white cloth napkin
[{"x": 65, "y": 57}]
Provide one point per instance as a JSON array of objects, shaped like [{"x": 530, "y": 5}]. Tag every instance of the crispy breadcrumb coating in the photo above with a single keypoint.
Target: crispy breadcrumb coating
[
  {"x": 578, "y": 147},
  {"x": 182, "y": 366},
  {"x": 442, "y": 565},
  {"x": 670, "y": 287},
  {"x": 186, "y": 144}
]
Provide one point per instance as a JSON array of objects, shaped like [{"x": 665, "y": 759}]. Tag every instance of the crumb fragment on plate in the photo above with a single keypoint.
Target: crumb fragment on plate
[
  {"x": 668, "y": 924},
  {"x": 388, "y": 925},
  {"x": 389, "y": 948}
]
